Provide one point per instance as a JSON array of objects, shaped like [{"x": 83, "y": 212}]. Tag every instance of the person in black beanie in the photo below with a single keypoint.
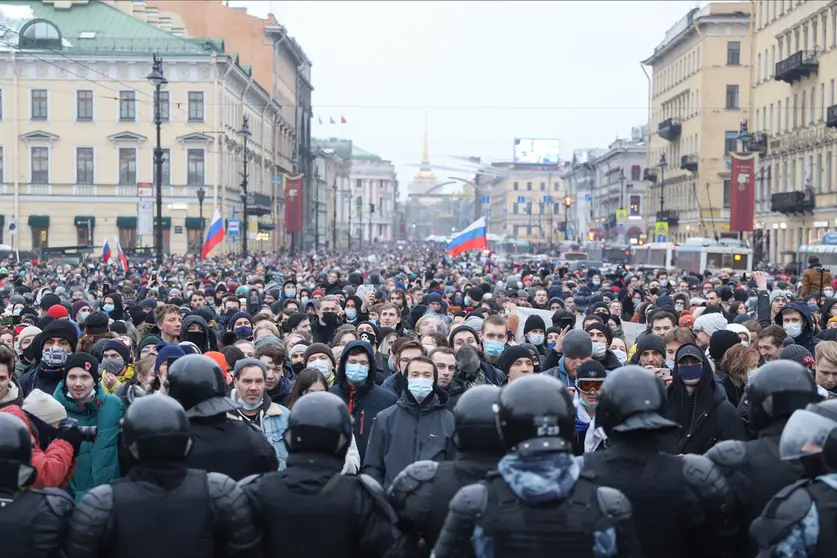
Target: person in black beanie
[
  {"x": 534, "y": 330},
  {"x": 602, "y": 336},
  {"x": 719, "y": 343},
  {"x": 58, "y": 341},
  {"x": 517, "y": 361}
]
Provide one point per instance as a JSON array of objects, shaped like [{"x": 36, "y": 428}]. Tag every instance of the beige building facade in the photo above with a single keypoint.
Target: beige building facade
[
  {"x": 699, "y": 95},
  {"x": 77, "y": 136},
  {"x": 795, "y": 115}
]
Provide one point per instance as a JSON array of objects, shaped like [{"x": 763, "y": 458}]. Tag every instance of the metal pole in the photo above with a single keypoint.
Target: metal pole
[
  {"x": 334, "y": 217},
  {"x": 244, "y": 202},
  {"x": 158, "y": 167},
  {"x": 316, "y": 211},
  {"x": 566, "y": 222},
  {"x": 662, "y": 190},
  {"x": 349, "y": 232},
  {"x": 360, "y": 218}
]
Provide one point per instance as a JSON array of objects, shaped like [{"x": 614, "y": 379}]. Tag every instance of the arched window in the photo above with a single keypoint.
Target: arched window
[{"x": 40, "y": 34}]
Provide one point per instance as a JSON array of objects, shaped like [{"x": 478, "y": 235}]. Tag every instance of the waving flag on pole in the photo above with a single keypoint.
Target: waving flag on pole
[
  {"x": 214, "y": 236},
  {"x": 106, "y": 253},
  {"x": 472, "y": 238},
  {"x": 120, "y": 255}
]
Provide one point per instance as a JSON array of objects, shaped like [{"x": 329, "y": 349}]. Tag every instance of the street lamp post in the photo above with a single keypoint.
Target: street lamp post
[
  {"x": 316, "y": 208},
  {"x": 663, "y": 164},
  {"x": 334, "y": 215},
  {"x": 359, "y": 203},
  {"x": 158, "y": 80},
  {"x": 347, "y": 198},
  {"x": 620, "y": 226},
  {"x": 201, "y": 193},
  {"x": 245, "y": 134},
  {"x": 745, "y": 136}
]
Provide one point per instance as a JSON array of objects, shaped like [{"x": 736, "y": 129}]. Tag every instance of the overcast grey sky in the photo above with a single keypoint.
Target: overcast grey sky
[{"x": 485, "y": 72}]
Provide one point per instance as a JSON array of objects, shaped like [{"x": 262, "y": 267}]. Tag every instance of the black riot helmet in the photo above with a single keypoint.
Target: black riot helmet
[
  {"x": 16, "y": 469},
  {"x": 776, "y": 390},
  {"x": 156, "y": 429},
  {"x": 197, "y": 382},
  {"x": 475, "y": 425},
  {"x": 536, "y": 413},
  {"x": 632, "y": 398},
  {"x": 319, "y": 423},
  {"x": 810, "y": 435}
]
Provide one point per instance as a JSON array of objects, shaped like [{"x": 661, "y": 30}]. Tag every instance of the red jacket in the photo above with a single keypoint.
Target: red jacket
[{"x": 55, "y": 466}]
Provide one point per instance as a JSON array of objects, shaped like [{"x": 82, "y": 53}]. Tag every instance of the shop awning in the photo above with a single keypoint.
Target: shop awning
[
  {"x": 266, "y": 226},
  {"x": 194, "y": 223},
  {"x": 166, "y": 222},
  {"x": 83, "y": 220},
  {"x": 126, "y": 222},
  {"x": 40, "y": 221}
]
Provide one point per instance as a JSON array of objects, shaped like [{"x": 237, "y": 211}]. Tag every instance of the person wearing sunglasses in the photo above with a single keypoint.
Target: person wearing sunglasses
[{"x": 588, "y": 383}]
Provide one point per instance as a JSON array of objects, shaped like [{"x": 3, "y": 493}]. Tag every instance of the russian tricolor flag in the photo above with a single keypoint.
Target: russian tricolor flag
[
  {"x": 106, "y": 253},
  {"x": 472, "y": 238},
  {"x": 120, "y": 255},
  {"x": 214, "y": 236}
]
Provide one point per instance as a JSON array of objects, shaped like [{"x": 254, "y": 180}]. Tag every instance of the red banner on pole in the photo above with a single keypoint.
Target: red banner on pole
[
  {"x": 743, "y": 193},
  {"x": 293, "y": 203}
]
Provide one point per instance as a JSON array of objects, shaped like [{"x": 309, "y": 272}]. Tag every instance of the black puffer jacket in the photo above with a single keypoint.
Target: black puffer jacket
[{"x": 705, "y": 416}]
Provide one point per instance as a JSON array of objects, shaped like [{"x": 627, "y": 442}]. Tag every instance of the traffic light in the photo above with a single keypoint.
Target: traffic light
[{"x": 568, "y": 201}]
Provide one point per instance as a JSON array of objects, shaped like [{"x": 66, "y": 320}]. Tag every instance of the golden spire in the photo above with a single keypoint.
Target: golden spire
[{"x": 426, "y": 171}]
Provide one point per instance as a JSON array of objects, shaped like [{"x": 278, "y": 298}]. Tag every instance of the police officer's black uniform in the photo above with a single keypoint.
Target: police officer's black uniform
[
  {"x": 753, "y": 469},
  {"x": 682, "y": 505},
  {"x": 162, "y": 508},
  {"x": 536, "y": 419},
  {"x": 32, "y": 522},
  {"x": 222, "y": 443},
  {"x": 422, "y": 492},
  {"x": 311, "y": 510},
  {"x": 799, "y": 521}
]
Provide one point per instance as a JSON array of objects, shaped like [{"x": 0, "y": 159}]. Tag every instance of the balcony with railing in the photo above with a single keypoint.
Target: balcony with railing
[
  {"x": 689, "y": 162},
  {"x": 668, "y": 216},
  {"x": 669, "y": 129},
  {"x": 831, "y": 117},
  {"x": 791, "y": 203},
  {"x": 801, "y": 63},
  {"x": 759, "y": 142},
  {"x": 650, "y": 175}
]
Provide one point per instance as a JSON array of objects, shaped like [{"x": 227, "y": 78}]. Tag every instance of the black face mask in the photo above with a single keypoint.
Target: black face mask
[
  {"x": 653, "y": 290},
  {"x": 298, "y": 367},
  {"x": 196, "y": 337},
  {"x": 29, "y": 353}
]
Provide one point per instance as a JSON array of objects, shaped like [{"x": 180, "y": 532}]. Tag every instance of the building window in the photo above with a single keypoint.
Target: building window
[
  {"x": 128, "y": 106},
  {"x": 515, "y": 187},
  {"x": 165, "y": 106},
  {"x": 84, "y": 105},
  {"x": 813, "y": 114},
  {"x": 733, "y": 53},
  {"x": 358, "y": 183},
  {"x": 818, "y": 175},
  {"x": 828, "y": 172},
  {"x": 543, "y": 186},
  {"x": 84, "y": 165},
  {"x": 635, "y": 206},
  {"x": 196, "y": 106},
  {"x": 195, "y": 171},
  {"x": 40, "y": 165},
  {"x": 732, "y": 97},
  {"x": 194, "y": 240},
  {"x": 727, "y": 193},
  {"x": 556, "y": 186},
  {"x": 84, "y": 235},
  {"x": 127, "y": 237},
  {"x": 528, "y": 186},
  {"x": 127, "y": 166},
  {"x": 40, "y": 104},
  {"x": 730, "y": 142},
  {"x": 802, "y": 109},
  {"x": 166, "y": 167},
  {"x": 636, "y": 172},
  {"x": 40, "y": 237}
]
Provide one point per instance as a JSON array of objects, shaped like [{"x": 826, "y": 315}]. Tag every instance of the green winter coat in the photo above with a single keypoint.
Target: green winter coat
[{"x": 97, "y": 462}]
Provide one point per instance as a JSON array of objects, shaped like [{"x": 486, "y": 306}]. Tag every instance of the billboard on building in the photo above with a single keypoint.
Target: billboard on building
[{"x": 532, "y": 151}]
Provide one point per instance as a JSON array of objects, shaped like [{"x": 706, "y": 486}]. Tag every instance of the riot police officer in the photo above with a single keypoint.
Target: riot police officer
[
  {"x": 677, "y": 501},
  {"x": 223, "y": 444},
  {"x": 312, "y": 510},
  {"x": 32, "y": 521},
  {"x": 421, "y": 493},
  {"x": 162, "y": 508},
  {"x": 753, "y": 469},
  {"x": 799, "y": 521},
  {"x": 539, "y": 502}
]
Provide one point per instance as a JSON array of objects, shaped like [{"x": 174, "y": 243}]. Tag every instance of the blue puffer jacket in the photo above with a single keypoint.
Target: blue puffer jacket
[{"x": 97, "y": 462}]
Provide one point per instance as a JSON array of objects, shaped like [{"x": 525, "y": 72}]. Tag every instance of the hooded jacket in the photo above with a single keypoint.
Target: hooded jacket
[
  {"x": 806, "y": 338},
  {"x": 365, "y": 400},
  {"x": 407, "y": 432},
  {"x": 705, "y": 416},
  {"x": 189, "y": 320}
]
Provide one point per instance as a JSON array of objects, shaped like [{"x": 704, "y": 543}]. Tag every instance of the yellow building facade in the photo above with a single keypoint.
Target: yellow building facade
[
  {"x": 795, "y": 114},
  {"x": 77, "y": 132},
  {"x": 699, "y": 95}
]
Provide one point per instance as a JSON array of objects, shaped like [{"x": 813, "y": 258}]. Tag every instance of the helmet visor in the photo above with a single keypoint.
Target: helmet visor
[{"x": 805, "y": 434}]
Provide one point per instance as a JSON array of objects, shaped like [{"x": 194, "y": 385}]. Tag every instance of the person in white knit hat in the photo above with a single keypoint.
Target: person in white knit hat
[{"x": 55, "y": 443}]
